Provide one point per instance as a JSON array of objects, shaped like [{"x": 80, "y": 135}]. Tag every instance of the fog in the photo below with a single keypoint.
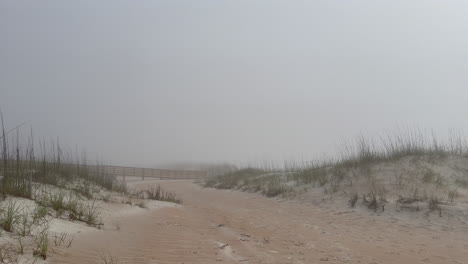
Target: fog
[{"x": 147, "y": 83}]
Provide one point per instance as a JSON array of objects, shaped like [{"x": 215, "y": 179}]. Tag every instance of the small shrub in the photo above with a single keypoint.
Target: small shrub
[
  {"x": 42, "y": 244},
  {"x": 232, "y": 180},
  {"x": 20, "y": 247},
  {"x": 106, "y": 198},
  {"x": 434, "y": 204},
  {"x": 157, "y": 193},
  {"x": 108, "y": 258},
  {"x": 84, "y": 189},
  {"x": 375, "y": 200},
  {"x": 429, "y": 176},
  {"x": 91, "y": 213},
  {"x": 353, "y": 199},
  {"x": 62, "y": 239},
  {"x": 210, "y": 182},
  {"x": 10, "y": 216},
  {"x": 120, "y": 187},
  {"x": 312, "y": 176},
  {"x": 74, "y": 207},
  {"x": 440, "y": 181},
  {"x": 39, "y": 213},
  {"x": 142, "y": 204},
  {"x": 57, "y": 202},
  {"x": 275, "y": 188},
  {"x": 408, "y": 200},
  {"x": 452, "y": 195},
  {"x": 127, "y": 201},
  {"x": 372, "y": 203},
  {"x": 25, "y": 225}
]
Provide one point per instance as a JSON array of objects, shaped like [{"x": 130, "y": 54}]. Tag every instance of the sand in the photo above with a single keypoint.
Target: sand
[
  {"x": 219, "y": 226},
  {"x": 63, "y": 231}
]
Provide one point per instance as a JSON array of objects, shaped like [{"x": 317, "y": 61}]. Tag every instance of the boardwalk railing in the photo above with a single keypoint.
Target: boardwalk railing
[
  {"x": 120, "y": 171},
  {"x": 143, "y": 173}
]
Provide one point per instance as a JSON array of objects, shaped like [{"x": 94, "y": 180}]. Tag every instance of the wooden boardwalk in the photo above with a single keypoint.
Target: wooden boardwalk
[
  {"x": 121, "y": 171},
  {"x": 143, "y": 173}
]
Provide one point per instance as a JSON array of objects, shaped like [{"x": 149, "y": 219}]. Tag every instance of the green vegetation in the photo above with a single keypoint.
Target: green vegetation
[
  {"x": 60, "y": 183},
  {"x": 10, "y": 215},
  {"x": 108, "y": 258},
  {"x": 157, "y": 193},
  {"x": 42, "y": 243},
  {"x": 403, "y": 167},
  {"x": 234, "y": 179},
  {"x": 24, "y": 163},
  {"x": 252, "y": 180}
]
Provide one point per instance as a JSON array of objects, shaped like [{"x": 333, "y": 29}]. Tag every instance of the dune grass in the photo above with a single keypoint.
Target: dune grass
[
  {"x": 25, "y": 163},
  {"x": 61, "y": 183},
  {"x": 353, "y": 166},
  {"x": 159, "y": 194},
  {"x": 269, "y": 184}
]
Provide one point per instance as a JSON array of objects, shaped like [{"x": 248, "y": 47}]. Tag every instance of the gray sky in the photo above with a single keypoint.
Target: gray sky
[{"x": 148, "y": 82}]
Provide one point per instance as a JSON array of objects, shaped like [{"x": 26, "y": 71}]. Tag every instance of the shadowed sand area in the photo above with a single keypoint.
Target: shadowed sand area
[{"x": 218, "y": 226}]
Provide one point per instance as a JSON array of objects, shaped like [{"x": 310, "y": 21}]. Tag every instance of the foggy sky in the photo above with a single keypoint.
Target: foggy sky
[{"x": 149, "y": 82}]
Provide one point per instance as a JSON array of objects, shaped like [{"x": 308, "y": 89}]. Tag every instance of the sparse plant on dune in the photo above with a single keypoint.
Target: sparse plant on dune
[
  {"x": 61, "y": 239},
  {"x": 24, "y": 164},
  {"x": 452, "y": 195},
  {"x": 10, "y": 215},
  {"x": 25, "y": 225},
  {"x": 275, "y": 188},
  {"x": 39, "y": 214},
  {"x": 71, "y": 207},
  {"x": 120, "y": 187},
  {"x": 234, "y": 179},
  {"x": 159, "y": 194},
  {"x": 314, "y": 176},
  {"x": 108, "y": 258},
  {"x": 353, "y": 199},
  {"x": 434, "y": 204},
  {"x": 42, "y": 243},
  {"x": 91, "y": 213},
  {"x": 374, "y": 200},
  {"x": 141, "y": 204},
  {"x": 20, "y": 246},
  {"x": 429, "y": 176},
  {"x": 62, "y": 184},
  {"x": 57, "y": 202},
  {"x": 409, "y": 157}
]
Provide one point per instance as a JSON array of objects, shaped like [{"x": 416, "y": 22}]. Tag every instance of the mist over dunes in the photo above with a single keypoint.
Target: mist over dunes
[{"x": 161, "y": 82}]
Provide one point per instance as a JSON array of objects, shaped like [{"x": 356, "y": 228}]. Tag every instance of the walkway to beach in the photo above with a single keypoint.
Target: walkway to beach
[{"x": 222, "y": 226}]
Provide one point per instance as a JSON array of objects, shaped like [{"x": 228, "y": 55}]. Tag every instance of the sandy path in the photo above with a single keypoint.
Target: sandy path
[{"x": 216, "y": 226}]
